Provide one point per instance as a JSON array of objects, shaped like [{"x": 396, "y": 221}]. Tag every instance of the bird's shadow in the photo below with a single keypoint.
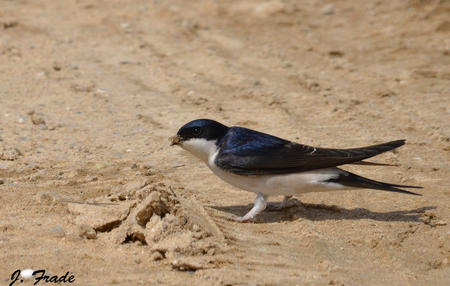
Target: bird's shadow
[{"x": 320, "y": 212}]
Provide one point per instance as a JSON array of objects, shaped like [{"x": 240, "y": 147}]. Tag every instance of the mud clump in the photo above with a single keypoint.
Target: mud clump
[{"x": 175, "y": 228}]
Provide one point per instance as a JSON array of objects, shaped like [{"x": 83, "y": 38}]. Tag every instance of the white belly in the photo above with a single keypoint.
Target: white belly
[{"x": 284, "y": 184}]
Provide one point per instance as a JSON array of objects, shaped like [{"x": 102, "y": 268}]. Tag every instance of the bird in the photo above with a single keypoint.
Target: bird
[{"x": 271, "y": 166}]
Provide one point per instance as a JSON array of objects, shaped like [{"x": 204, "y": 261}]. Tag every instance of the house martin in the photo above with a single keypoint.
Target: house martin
[{"x": 269, "y": 166}]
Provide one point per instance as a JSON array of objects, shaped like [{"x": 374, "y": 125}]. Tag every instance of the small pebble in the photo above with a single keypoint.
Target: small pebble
[
  {"x": 37, "y": 120},
  {"x": 196, "y": 228},
  {"x": 57, "y": 66},
  {"x": 328, "y": 10},
  {"x": 156, "y": 256},
  {"x": 87, "y": 232}
]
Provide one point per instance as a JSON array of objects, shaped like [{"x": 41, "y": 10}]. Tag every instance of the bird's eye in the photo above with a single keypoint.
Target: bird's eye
[{"x": 196, "y": 131}]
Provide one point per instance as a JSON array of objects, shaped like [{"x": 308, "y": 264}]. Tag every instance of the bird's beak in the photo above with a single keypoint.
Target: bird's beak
[{"x": 175, "y": 140}]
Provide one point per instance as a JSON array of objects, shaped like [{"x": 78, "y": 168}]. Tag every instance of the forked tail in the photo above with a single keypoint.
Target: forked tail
[{"x": 351, "y": 180}]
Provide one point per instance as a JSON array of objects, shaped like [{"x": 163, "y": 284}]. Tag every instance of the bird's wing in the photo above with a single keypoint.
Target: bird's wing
[{"x": 248, "y": 152}]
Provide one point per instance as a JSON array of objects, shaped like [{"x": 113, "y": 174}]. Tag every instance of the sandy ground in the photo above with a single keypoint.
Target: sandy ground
[{"x": 90, "y": 91}]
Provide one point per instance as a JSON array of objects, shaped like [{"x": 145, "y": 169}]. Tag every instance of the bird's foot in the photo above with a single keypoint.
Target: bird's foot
[
  {"x": 286, "y": 203},
  {"x": 258, "y": 207},
  {"x": 242, "y": 219}
]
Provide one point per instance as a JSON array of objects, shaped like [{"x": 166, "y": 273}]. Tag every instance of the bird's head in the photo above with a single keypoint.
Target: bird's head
[{"x": 200, "y": 137}]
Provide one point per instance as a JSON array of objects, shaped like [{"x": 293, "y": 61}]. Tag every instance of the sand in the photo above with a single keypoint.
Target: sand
[{"x": 90, "y": 92}]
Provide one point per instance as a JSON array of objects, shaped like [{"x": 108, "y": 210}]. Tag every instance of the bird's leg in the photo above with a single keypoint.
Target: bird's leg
[
  {"x": 279, "y": 206},
  {"x": 258, "y": 206}
]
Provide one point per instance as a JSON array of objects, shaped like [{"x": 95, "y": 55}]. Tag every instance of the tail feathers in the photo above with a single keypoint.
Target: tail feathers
[
  {"x": 367, "y": 163},
  {"x": 351, "y": 180}
]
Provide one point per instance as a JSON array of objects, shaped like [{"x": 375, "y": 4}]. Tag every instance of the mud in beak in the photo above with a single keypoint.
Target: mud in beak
[{"x": 175, "y": 140}]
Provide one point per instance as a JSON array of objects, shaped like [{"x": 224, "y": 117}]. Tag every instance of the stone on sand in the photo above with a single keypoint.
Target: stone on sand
[{"x": 86, "y": 231}]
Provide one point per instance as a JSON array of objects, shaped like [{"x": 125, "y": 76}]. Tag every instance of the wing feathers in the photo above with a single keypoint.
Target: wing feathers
[{"x": 248, "y": 152}]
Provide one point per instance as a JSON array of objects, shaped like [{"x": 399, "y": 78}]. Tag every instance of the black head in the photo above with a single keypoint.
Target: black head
[{"x": 200, "y": 129}]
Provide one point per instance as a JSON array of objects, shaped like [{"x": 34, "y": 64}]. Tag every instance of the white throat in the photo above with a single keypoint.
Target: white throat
[{"x": 200, "y": 148}]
